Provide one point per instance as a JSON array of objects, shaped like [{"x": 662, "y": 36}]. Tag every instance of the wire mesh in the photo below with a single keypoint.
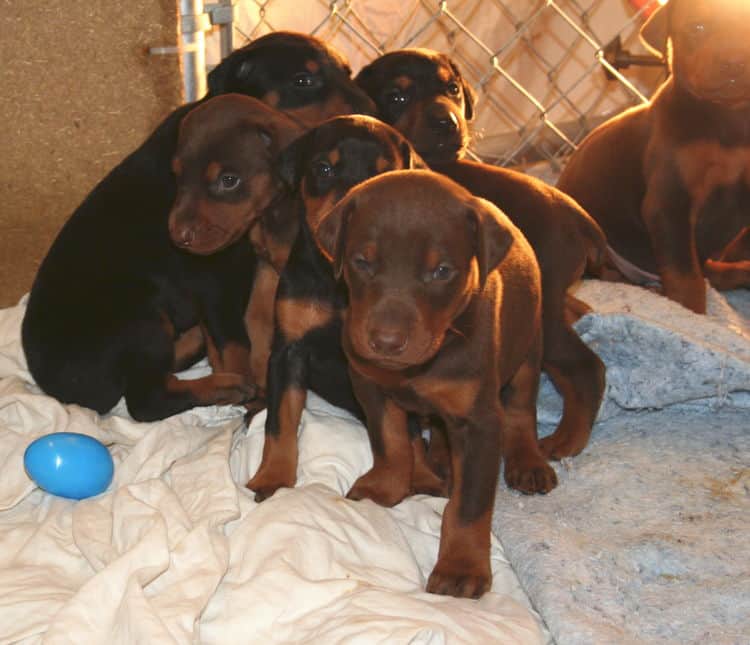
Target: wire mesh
[{"x": 539, "y": 66}]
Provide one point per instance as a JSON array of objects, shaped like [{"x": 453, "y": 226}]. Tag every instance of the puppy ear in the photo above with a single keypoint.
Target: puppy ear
[
  {"x": 365, "y": 79},
  {"x": 470, "y": 99},
  {"x": 278, "y": 130},
  {"x": 330, "y": 234},
  {"x": 655, "y": 31},
  {"x": 237, "y": 66},
  {"x": 470, "y": 96},
  {"x": 289, "y": 161},
  {"x": 493, "y": 235}
]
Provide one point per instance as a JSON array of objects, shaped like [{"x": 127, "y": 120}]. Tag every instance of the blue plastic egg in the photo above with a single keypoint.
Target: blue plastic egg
[{"x": 68, "y": 464}]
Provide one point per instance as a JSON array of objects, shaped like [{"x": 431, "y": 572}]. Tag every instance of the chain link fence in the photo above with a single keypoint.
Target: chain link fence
[{"x": 546, "y": 71}]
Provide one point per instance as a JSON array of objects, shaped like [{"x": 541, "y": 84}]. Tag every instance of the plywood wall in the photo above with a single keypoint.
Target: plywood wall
[{"x": 79, "y": 91}]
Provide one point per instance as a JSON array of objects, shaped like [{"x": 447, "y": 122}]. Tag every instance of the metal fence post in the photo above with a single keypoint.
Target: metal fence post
[{"x": 193, "y": 25}]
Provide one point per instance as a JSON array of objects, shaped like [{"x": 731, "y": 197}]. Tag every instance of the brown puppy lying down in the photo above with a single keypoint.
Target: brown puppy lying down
[
  {"x": 444, "y": 319},
  {"x": 669, "y": 182}
]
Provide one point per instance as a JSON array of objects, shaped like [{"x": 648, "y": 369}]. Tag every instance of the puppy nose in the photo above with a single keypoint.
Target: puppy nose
[
  {"x": 444, "y": 123},
  {"x": 388, "y": 341},
  {"x": 185, "y": 236}
]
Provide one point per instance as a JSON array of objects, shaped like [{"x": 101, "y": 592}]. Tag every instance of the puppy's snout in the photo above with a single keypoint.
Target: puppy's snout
[
  {"x": 388, "y": 328},
  {"x": 443, "y": 122},
  {"x": 388, "y": 341},
  {"x": 184, "y": 236}
]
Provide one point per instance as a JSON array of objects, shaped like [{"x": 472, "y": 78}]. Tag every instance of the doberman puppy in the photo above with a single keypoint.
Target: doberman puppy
[
  {"x": 114, "y": 292},
  {"x": 669, "y": 182},
  {"x": 224, "y": 166},
  {"x": 422, "y": 94},
  {"x": 407, "y": 83},
  {"x": 444, "y": 318},
  {"x": 320, "y": 167}
]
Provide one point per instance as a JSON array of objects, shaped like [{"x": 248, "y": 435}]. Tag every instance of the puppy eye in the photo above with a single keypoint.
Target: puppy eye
[
  {"x": 698, "y": 29},
  {"x": 303, "y": 79},
  {"x": 454, "y": 89},
  {"x": 396, "y": 97},
  {"x": 228, "y": 181},
  {"x": 323, "y": 169},
  {"x": 442, "y": 272},
  {"x": 362, "y": 264}
]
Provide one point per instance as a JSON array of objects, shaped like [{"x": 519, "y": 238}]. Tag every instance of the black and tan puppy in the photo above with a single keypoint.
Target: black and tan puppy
[
  {"x": 444, "y": 318},
  {"x": 320, "y": 167},
  {"x": 669, "y": 182},
  {"x": 114, "y": 292},
  {"x": 563, "y": 236},
  {"x": 422, "y": 94}
]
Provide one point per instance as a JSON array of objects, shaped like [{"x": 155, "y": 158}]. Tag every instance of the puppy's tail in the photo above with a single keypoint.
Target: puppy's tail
[{"x": 596, "y": 244}]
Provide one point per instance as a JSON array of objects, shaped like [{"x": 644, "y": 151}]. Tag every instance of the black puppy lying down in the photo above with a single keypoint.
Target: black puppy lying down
[{"x": 114, "y": 293}]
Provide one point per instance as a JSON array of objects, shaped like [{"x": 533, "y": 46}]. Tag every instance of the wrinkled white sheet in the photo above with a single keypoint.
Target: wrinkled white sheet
[{"x": 177, "y": 551}]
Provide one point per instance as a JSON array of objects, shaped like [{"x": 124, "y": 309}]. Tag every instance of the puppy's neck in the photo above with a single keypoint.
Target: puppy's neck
[{"x": 691, "y": 118}]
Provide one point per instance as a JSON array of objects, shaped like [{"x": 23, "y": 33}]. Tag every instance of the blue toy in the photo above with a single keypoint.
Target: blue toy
[{"x": 68, "y": 464}]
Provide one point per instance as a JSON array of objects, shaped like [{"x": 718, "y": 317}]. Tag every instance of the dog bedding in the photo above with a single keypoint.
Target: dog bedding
[
  {"x": 643, "y": 541},
  {"x": 177, "y": 551}
]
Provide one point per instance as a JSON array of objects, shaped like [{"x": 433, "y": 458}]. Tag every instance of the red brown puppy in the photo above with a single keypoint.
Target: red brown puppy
[
  {"x": 669, "y": 182},
  {"x": 409, "y": 84},
  {"x": 444, "y": 318},
  {"x": 224, "y": 168}
]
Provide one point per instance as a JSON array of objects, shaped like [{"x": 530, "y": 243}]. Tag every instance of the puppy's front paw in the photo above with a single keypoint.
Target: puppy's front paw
[
  {"x": 460, "y": 578},
  {"x": 384, "y": 486},
  {"x": 530, "y": 474},
  {"x": 232, "y": 389},
  {"x": 267, "y": 481}
]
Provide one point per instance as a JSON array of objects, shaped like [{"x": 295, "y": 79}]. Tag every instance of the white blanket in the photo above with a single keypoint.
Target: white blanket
[{"x": 177, "y": 551}]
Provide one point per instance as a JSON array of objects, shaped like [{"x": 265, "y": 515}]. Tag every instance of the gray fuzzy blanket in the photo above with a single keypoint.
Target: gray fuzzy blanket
[{"x": 645, "y": 540}]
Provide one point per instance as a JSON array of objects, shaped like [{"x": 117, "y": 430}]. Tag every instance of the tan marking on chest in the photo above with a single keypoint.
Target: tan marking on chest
[
  {"x": 705, "y": 166},
  {"x": 450, "y": 396},
  {"x": 297, "y": 317}
]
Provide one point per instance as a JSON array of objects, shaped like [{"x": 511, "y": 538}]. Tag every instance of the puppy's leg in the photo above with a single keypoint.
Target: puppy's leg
[
  {"x": 526, "y": 469},
  {"x": 389, "y": 480},
  {"x": 578, "y": 375},
  {"x": 463, "y": 566},
  {"x": 671, "y": 226},
  {"x": 152, "y": 392},
  {"x": 259, "y": 320},
  {"x": 287, "y": 394},
  {"x": 424, "y": 479}
]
